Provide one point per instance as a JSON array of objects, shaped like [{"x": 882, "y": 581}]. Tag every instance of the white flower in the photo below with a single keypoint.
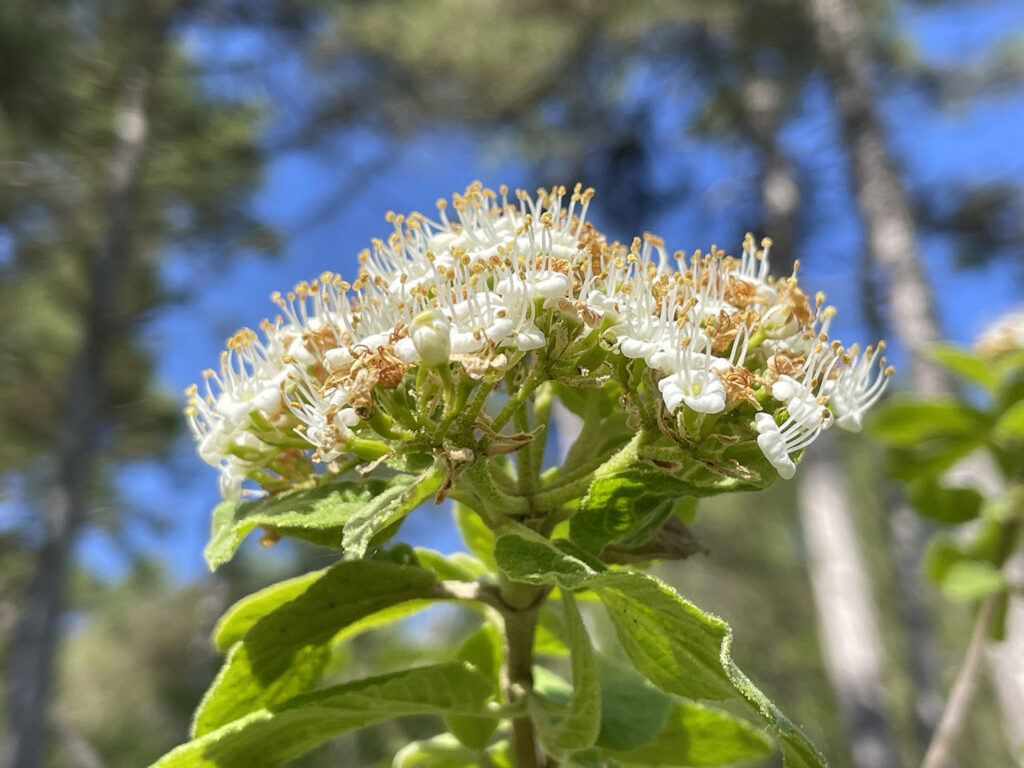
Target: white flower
[
  {"x": 777, "y": 441},
  {"x": 487, "y": 283},
  {"x": 701, "y": 391},
  {"x": 800, "y": 401},
  {"x": 858, "y": 386},
  {"x": 693, "y": 381},
  {"x": 1003, "y": 335}
]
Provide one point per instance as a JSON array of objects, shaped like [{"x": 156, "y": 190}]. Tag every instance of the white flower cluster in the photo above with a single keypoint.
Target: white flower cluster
[
  {"x": 1004, "y": 335},
  {"x": 495, "y": 285}
]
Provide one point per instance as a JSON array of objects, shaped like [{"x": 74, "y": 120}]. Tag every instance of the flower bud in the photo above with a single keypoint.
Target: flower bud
[{"x": 430, "y": 332}]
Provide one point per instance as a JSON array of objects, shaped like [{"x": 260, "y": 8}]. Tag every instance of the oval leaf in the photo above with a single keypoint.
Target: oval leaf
[
  {"x": 272, "y": 736},
  {"x": 573, "y": 727},
  {"x": 283, "y": 653},
  {"x": 673, "y": 643},
  {"x": 696, "y": 735},
  {"x": 317, "y": 515}
]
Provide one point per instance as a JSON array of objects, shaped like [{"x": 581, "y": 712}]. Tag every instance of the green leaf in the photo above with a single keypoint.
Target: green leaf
[
  {"x": 939, "y": 555},
  {"x": 317, "y": 515},
  {"x": 457, "y": 566},
  {"x": 271, "y": 736},
  {"x": 946, "y": 505},
  {"x": 677, "y": 646},
  {"x": 633, "y": 711},
  {"x": 284, "y": 652},
  {"x": 549, "y": 639},
  {"x": 1010, "y": 426},
  {"x": 696, "y": 735},
  {"x": 930, "y": 459},
  {"x": 683, "y": 650},
  {"x": 686, "y": 509},
  {"x": 997, "y": 630},
  {"x": 380, "y": 619},
  {"x": 965, "y": 364},
  {"x": 905, "y": 422},
  {"x": 575, "y": 726},
  {"x": 445, "y": 751},
  {"x": 240, "y": 617},
  {"x": 386, "y": 509},
  {"x": 590, "y": 402},
  {"x": 621, "y": 503},
  {"x": 479, "y": 539},
  {"x": 482, "y": 649},
  {"x": 530, "y": 558},
  {"x": 968, "y": 580}
]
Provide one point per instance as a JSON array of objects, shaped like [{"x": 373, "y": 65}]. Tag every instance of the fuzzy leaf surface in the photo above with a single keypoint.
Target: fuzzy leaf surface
[
  {"x": 283, "y": 653},
  {"x": 240, "y": 617},
  {"x": 271, "y": 736},
  {"x": 385, "y": 510},
  {"x": 696, "y": 735},
  {"x": 574, "y": 726},
  {"x": 483, "y": 650},
  {"x": 317, "y": 515},
  {"x": 677, "y": 646}
]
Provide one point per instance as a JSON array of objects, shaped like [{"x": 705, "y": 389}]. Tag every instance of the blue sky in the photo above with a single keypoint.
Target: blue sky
[{"x": 984, "y": 143}]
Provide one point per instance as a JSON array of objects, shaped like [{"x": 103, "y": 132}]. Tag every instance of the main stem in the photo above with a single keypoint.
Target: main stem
[{"x": 522, "y": 604}]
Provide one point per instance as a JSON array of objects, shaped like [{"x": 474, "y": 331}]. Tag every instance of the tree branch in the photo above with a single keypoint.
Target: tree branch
[{"x": 959, "y": 703}]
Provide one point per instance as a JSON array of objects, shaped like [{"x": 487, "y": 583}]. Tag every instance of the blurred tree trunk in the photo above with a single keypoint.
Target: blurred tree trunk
[
  {"x": 892, "y": 235},
  {"x": 846, "y": 611},
  {"x": 881, "y": 198},
  {"x": 761, "y": 102},
  {"x": 847, "y": 614},
  {"x": 38, "y": 630}
]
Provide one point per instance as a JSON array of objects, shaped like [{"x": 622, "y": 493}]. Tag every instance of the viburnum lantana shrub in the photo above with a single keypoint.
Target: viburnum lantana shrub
[{"x": 432, "y": 375}]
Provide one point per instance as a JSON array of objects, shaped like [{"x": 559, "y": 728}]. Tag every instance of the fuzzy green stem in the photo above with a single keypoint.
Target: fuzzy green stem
[
  {"x": 497, "y": 503},
  {"x": 523, "y": 603},
  {"x": 541, "y": 419},
  {"x": 515, "y": 401}
]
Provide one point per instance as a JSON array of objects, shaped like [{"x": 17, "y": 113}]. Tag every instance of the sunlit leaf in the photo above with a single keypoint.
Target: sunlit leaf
[
  {"x": 621, "y": 503},
  {"x": 903, "y": 422},
  {"x": 575, "y": 725},
  {"x": 271, "y": 736},
  {"x": 673, "y": 643},
  {"x": 283, "y": 653},
  {"x": 479, "y": 539},
  {"x": 318, "y": 515},
  {"x": 965, "y": 364},
  {"x": 457, "y": 566},
  {"x": 482, "y": 649},
  {"x": 968, "y": 580},
  {"x": 387, "y": 509},
  {"x": 445, "y": 751},
  {"x": 696, "y": 735},
  {"x": 242, "y": 615},
  {"x": 1010, "y": 426},
  {"x": 939, "y": 555}
]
